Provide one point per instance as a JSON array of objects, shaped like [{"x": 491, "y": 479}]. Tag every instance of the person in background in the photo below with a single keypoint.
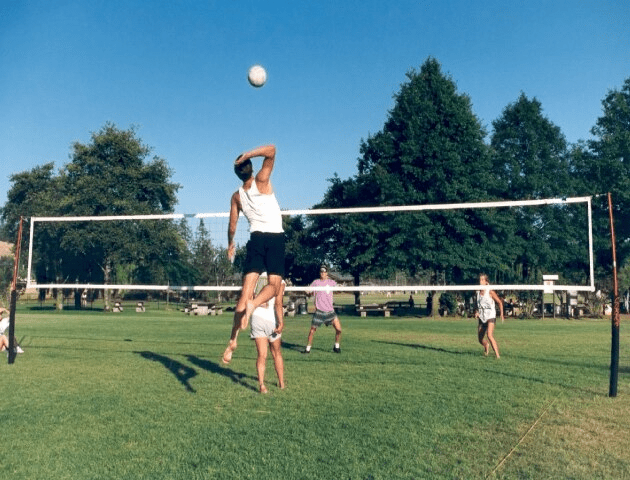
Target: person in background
[
  {"x": 4, "y": 340},
  {"x": 486, "y": 313},
  {"x": 324, "y": 310}
]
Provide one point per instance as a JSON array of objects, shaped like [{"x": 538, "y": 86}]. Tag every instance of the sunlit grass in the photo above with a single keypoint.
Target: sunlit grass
[{"x": 145, "y": 396}]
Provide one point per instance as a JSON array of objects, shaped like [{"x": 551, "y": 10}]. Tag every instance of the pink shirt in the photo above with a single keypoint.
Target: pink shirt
[{"x": 324, "y": 299}]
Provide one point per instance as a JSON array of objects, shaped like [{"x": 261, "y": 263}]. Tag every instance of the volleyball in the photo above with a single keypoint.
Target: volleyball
[{"x": 257, "y": 76}]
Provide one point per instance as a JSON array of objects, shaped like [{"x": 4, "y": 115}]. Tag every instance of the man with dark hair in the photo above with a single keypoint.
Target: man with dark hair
[
  {"x": 265, "y": 248},
  {"x": 324, "y": 309}
]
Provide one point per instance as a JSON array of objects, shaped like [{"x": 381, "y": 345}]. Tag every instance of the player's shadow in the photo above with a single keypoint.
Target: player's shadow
[
  {"x": 213, "y": 367},
  {"x": 424, "y": 347},
  {"x": 182, "y": 372},
  {"x": 292, "y": 346}
]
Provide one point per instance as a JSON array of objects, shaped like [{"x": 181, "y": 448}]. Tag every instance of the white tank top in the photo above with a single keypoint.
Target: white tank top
[
  {"x": 261, "y": 210},
  {"x": 485, "y": 304}
]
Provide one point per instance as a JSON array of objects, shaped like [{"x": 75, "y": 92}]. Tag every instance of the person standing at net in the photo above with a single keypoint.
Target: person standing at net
[
  {"x": 324, "y": 310},
  {"x": 486, "y": 313},
  {"x": 265, "y": 248}
]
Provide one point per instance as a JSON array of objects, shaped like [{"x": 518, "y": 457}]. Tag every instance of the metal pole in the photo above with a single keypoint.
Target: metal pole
[
  {"x": 616, "y": 317},
  {"x": 16, "y": 264}
]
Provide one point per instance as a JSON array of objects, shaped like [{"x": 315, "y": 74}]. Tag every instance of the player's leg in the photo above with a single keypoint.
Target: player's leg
[
  {"x": 309, "y": 340},
  {"x": 278, "y": 361},
  {"x": 491, "y": 339},
  {"x": 481, "y": 333},
  {"x": 4, "y": 343},
  {"x": 267, "y": 293},
  {"x": 249, "y": 284},
  {"x": 337, "y": 325},
  {"x": 261, "y": 360},
  {"x": 279, "y": 309}
]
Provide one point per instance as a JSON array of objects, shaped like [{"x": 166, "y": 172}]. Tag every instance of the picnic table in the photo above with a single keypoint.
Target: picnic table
[
  {"x": 203, "y": 308},
  {"x": 383, "y": 308}
]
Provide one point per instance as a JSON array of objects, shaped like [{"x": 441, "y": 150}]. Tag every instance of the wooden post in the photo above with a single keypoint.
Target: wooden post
[{"x": 616, "y": 316}]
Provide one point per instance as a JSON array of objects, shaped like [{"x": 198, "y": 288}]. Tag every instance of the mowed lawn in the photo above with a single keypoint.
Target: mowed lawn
[{"x": 145, "y": 396}]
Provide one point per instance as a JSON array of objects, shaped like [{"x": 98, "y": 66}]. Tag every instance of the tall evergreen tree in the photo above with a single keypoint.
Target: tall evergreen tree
[
  {"x": 531, "y": 161},
  {"x": 604, "y": 165},
  {"x": 430, "y": 151}
]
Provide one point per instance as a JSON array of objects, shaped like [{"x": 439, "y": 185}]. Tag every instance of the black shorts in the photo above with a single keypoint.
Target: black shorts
[
  {"x": 265, "y": 253},
  {"x": 490, "y": 320}
]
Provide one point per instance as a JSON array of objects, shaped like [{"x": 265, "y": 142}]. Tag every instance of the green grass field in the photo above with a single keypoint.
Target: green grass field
[{"x": 144, "y": 396}]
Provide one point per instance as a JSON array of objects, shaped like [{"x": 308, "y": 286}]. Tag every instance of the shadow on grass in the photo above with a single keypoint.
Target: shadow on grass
[
  {"x": 424, "y": 347},
  {"x": 182, "y": 372},
  {"x": 214, "y": 367},
  {"x": 292, "y": 346},
  {"x": 566, "y": 363},
  {"x": 529, "y": 378}
]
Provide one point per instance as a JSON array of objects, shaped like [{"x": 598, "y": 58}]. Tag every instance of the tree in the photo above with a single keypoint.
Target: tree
[
  {"x": 429, "y": 151},
  {"x": 603, "y": 164},
  {"x": 109, "y": 176},
  {"x": 531, "y": 161},
  {"x": 301, "y": 263}
]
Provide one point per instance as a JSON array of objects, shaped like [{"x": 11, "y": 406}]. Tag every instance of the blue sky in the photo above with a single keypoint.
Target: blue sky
[{"x": 177, "y": 71}]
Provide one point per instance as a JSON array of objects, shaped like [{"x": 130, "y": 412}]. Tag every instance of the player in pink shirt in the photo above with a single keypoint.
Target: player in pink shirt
[{"x": 324, "y": 309}]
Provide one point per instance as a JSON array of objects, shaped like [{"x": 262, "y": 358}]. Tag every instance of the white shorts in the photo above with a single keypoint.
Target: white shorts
[{"x": 263, "y": 324}]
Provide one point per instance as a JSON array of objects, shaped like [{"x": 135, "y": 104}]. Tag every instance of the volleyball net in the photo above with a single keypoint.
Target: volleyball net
[{"x": 70, "y": 231}]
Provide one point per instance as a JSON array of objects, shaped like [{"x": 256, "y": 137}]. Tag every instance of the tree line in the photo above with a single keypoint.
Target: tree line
[{"x": 432, "y": 149}]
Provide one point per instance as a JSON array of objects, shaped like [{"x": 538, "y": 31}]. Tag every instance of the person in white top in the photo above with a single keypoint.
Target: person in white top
[
  {"x": 266, "y": 329},
  {"x": 486, "y": 312},
  {"x": 265, "y": 248},
  {"x": 4, "y": 340}
]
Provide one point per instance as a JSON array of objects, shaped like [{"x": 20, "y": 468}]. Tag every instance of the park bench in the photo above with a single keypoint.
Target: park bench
[
  {"x": 202, "y": 308},
  {"x": 363, "y": 310}
]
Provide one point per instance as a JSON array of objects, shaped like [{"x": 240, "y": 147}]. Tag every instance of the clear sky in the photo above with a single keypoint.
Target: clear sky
[{"x": 177, "y": 70}]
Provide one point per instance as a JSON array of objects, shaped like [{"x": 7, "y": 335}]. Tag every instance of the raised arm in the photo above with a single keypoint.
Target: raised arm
[
  {"x": 235, "y": 209},
  {"x": 264, "y": 174}
]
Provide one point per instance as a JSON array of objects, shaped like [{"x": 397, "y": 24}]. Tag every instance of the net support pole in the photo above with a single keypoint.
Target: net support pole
[
  {"x": 16, "y": 264},
  {"x": 616, "y": 316}
]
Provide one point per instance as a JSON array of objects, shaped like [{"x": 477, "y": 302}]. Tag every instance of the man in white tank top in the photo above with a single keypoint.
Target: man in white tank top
[{"x": 265, "y": 248}]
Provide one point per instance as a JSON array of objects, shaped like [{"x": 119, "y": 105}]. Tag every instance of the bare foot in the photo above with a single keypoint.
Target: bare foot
[
  {"x": 263, "y": 389},
  {"x": 281, "y": 386},
  {"x": 227, "y": 355}
]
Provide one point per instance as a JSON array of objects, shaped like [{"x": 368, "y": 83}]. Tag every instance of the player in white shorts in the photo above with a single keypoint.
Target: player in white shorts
[
  {"x": 486, "y": 312},
  {"x": 266, "y": 328}
]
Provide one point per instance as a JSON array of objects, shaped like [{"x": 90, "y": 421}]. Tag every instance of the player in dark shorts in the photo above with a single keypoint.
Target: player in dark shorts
[
  {"x": 324, "y": 310},
  {"x": 265, "y": 248}
]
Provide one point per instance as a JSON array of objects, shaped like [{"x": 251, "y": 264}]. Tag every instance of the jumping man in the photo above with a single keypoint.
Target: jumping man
[{"x": 265, "y": 248}]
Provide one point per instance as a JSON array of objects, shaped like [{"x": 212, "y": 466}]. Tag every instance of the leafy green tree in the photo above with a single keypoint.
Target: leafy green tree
[
  {"x": 603, "y": 164},
  {"x": 203, "y": 255},
  {"x": 111, "y": 175},
  {"x": 36, "y": 193},
  {"x": 301, "y": 262},
  {"x": 430, "y": 151},
  {"x": 531, "y": 161}
]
